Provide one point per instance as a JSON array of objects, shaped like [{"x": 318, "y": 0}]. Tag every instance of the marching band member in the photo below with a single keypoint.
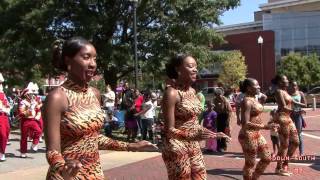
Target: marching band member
[
  {"x": 30, "y": 115},
  {"x": 38, "y": 108},
  {"x": 4, "y": 121}
]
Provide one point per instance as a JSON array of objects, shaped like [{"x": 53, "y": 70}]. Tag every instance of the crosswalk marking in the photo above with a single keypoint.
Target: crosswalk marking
[
  {"x": 312, "y": 116},
  {"x": 310, "y": 135}
]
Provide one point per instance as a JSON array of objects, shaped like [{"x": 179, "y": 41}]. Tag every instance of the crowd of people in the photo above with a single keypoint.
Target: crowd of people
[
  {"x": 21, "y": 110},
  {"x": 74, "y": 114},
  {"x": 134, "y": 110}
]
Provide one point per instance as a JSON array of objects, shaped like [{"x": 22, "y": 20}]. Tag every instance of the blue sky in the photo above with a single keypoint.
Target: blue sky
[{"x": 243, "y": 13}]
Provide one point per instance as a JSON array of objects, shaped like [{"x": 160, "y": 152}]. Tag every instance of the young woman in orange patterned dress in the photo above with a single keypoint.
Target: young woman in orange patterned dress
[
  {"x": 288, "y": 134},
  {"x": 252, "y": 142},
  {"x": 73, "y": 117},
  {"x": 181, "y": 153}
]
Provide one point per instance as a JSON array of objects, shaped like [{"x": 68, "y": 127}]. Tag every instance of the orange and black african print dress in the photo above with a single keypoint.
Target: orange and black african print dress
[
  {"x": 80, "y": 138},
  {"x": 181, "y": 153},
  {"x": 253, "y": 143}
]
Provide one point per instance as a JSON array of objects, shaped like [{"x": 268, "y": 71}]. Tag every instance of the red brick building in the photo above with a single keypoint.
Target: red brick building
[{"x": 260, "y": 58}]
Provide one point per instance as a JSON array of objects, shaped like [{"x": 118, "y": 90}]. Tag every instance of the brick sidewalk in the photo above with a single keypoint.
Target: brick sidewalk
[
  {"x": 217, "y": 168},
  {"x": 229, "y": 165}
]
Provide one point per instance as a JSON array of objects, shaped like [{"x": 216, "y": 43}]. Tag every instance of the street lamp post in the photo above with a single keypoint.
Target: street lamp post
[
  {"x": 260, "y": 42},
  {"x": 135, "y": 2}
]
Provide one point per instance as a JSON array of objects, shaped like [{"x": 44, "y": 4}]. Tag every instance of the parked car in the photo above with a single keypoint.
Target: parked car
[{"x": 313, "y": 93}]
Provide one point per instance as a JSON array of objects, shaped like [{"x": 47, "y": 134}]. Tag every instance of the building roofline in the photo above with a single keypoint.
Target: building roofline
[
  {"x": 284, "y": 3},
  {"x": 238, "y": 26}
]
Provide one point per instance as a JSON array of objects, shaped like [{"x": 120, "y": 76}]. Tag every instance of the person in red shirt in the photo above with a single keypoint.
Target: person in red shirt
[
  {"x": 138, "y": 101},
  {"x": 4, "y": 121},
  {"x": 38, "y": 108}
]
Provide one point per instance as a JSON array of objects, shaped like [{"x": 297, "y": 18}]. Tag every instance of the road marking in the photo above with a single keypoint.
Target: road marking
[
  {"x": 312, "y": 116},
  {"x": 310, "y": 135}
]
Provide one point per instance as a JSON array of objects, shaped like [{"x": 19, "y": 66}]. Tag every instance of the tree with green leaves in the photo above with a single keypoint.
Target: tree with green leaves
[
  {"x": 305, "y": 69},
  {"x": 164, "y": 27},
  {"x": 233, "y": 68}
]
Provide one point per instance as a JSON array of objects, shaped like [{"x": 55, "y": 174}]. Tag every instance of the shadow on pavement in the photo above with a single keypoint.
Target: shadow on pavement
[
  {"x": 316, "y": 164},
  {"x": 15, "y": 132},
  {"x": 225, "y": 173},
  {"x": 230, "y": 173},
  {"x": 14, "y": 139},
  {"x": 39, "y": 151},
  {"x": 11, "y": 155},
  {"x": 226, "y": 154}
]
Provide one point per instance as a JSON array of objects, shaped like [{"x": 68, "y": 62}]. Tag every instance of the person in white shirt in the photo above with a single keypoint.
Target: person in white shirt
[
  {"x": 154, "y": 100},
  {"x": 109, "y": 99},
  {"x": 147, "y": 116},
  {"x": 109, "y": 122}
]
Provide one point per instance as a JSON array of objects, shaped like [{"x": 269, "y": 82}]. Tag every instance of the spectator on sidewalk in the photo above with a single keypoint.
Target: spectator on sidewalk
[
  {"x": 127, "y": 97},
  {"x": 154, "y": 100},
  {"x": 209, "y": 122},
  {"x": 138, "y": 101},
  {"x": 109, "y": 99},
  {"x": 274, "y": 135},
  {"x": 202, "y": 101},
  {"x": 299, "y": 102},
  {"x": 224, "y": 113},
  {"x": 147, "y": 116},
  {"x": 131, "y": 125},
  {"x": 110, "y": 122}
]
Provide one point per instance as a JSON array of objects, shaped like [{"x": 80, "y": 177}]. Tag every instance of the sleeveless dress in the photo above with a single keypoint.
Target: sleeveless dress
[
  {"x": 253, "y": 143},
  {"x": 287, "y": 133},
  {"x": 80, "y": 138},
  {"x": 181, "y": 153}
]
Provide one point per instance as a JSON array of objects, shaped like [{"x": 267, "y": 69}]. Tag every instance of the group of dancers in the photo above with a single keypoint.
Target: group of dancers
[
  {"x": 73, "y": 117},
  {"x": 182, "y": 154}
]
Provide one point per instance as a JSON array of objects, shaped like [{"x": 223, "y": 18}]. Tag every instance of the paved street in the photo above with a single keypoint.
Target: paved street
[
  {"x": 229, "y": 165},
  {"x": 147, "y": 166}
]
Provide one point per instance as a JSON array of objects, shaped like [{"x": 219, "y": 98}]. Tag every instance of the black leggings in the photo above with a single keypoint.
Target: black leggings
[{"x": 222, "y": 124}]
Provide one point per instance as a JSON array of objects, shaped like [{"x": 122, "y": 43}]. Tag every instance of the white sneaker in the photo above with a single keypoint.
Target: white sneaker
[
  {"x": 8, "y": 142},
  {"x": 41, "y": 140},
  {"x": 34, "y": 147},
  {"x": 2, "y": 157},
  {"x": 282, "y": 172},
  {"x": 23, "y": 155}
]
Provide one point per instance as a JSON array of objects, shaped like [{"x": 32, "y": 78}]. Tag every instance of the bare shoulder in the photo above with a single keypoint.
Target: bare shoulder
[
  {"x": 57, "y": 98},
  {"x": 193, "y": 90},
  {"x": 246, "y": 102},
  {"x": 301, "y": 93},
  {"x": 95, "y": 91},
  {"x": 56, "y": 94},
  {"x": 170, "y": 92},
  {"x": 170, "y": 96},
  {"x": 278, "y": 92}
]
